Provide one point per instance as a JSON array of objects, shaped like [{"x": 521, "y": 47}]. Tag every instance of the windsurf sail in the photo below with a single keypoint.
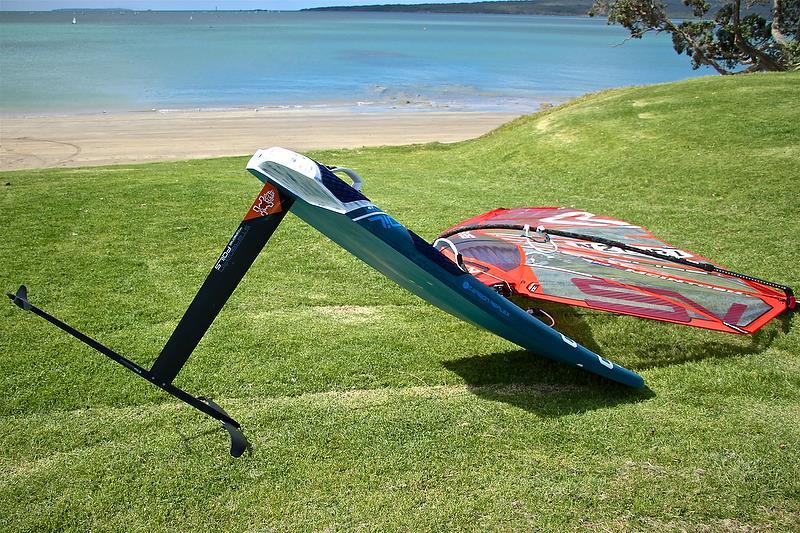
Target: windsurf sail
[{"x": 575, "y": 257}]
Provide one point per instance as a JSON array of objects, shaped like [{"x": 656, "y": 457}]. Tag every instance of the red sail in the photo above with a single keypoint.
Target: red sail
[{"x": 599, "y": 275}]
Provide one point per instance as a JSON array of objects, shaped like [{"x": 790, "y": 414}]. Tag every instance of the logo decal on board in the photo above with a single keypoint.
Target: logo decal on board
[
  {"x": 605, "y": 362},
  {"x": 467, "y": 286},
  {"x": 569, "y": 341},
  {"x": 267, "y": 203}
]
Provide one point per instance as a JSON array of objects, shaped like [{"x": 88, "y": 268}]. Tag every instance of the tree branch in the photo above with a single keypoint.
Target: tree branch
[
  {"x": 777, "y": 22},
  {"x": 697, "y": 50},
  {"x": 763, "y": 61}
]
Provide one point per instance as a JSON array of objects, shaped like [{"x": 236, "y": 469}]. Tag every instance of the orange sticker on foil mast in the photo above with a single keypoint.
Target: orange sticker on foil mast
[{"x": 268, "y": 202}]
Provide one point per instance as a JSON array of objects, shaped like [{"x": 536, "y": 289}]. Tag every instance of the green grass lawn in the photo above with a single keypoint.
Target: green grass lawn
[{"x": 369, "y": 409}]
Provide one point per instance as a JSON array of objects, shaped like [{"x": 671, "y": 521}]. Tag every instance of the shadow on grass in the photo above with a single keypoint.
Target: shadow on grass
[
  {"x": 700, "y": 347},
  {"x": 652, "y": 344},
  {"x": 548, "y": 388},
  {"x": 539, "y": 385}
]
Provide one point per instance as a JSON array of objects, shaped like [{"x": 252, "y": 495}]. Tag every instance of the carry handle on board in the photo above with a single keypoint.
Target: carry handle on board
[{"x": 244, "y": 246}]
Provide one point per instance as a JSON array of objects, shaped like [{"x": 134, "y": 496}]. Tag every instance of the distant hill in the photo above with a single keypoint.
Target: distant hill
[
  {"x": 675, "y": 8},
  {"x": 535, "y": 7}
]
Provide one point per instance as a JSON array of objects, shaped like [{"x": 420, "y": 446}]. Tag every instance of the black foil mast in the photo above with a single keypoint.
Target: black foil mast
[{"x": 248, "y": 240}]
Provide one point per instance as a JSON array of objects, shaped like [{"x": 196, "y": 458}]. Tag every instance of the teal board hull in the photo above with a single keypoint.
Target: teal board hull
[{"x": 383, "y": 243}]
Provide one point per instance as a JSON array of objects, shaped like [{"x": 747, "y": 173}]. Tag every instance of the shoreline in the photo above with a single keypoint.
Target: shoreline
[
  {"x": 383, "y": 101},
  {"x": 41, "y": 140}
]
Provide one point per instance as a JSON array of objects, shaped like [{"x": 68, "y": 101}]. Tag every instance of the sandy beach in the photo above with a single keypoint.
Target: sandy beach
[{"x": 104, "y": 139}]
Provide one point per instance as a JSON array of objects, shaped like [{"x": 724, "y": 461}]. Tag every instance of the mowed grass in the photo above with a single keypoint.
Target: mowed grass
[{"x": 368, "y": 409}]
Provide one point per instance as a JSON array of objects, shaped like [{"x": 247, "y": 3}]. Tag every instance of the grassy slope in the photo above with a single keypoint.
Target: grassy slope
[{"x": 367, "y": 407}]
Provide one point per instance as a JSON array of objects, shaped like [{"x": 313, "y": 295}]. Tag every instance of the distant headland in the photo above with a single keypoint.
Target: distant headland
[{"x": 519, "y": 7}]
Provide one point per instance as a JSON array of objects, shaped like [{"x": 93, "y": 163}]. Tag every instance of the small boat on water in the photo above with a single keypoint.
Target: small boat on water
[{"x": 74, "y": 20}]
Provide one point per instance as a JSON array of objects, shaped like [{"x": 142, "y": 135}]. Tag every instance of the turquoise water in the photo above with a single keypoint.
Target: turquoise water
[{"x": 150, "y": 60}]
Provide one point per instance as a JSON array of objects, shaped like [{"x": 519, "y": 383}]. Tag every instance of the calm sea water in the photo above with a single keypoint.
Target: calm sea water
[{"x": 155, "y": 60}]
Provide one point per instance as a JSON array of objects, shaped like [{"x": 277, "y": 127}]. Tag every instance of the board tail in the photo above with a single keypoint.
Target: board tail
[{"x": 248, "y": 240}]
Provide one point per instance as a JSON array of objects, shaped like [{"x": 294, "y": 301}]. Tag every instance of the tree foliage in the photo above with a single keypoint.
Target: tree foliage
[{"x": 735, "y": 38}]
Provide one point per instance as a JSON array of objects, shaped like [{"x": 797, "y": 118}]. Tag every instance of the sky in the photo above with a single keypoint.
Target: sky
[{"x": 46, "y": 5}]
